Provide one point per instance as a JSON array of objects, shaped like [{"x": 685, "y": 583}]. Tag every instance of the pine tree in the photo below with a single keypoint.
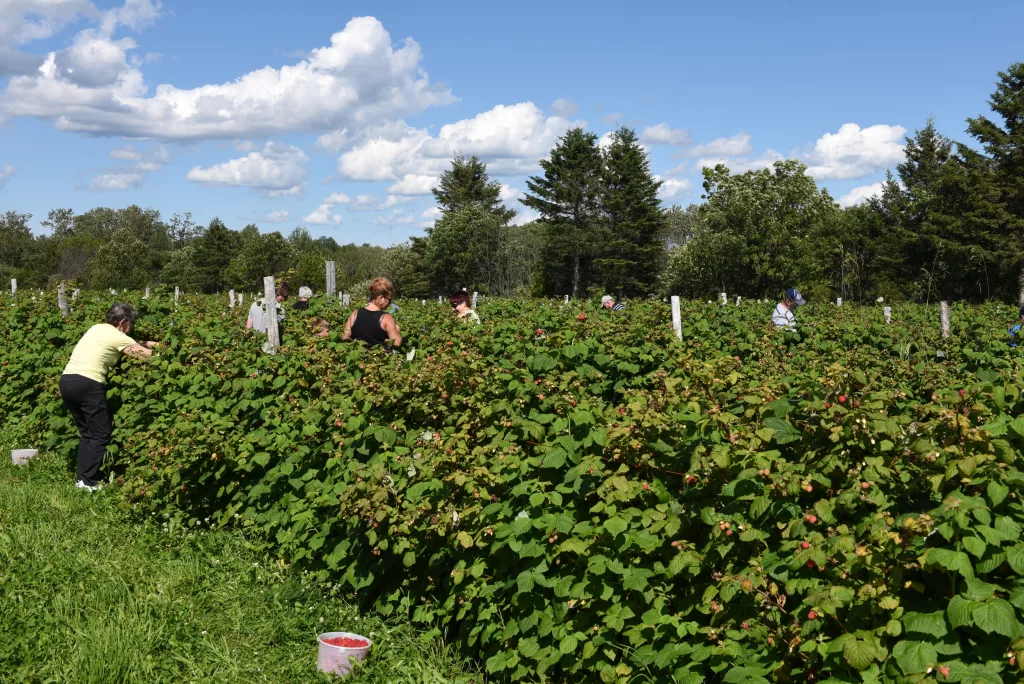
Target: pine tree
[
  {"x": 568, "y": 198},
  {"x": 214, "y": 251},
  {"x": 631, "y": 251},
  {"x": 466, "y": 184}
]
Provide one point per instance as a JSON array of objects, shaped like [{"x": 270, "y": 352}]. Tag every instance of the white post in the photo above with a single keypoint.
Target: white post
[
  {"x": 231, "y": 299},
  {"x": 438, "y": 299},
  {"x": 677, "y": 321},
  {"x": 839, "y": 301},
  {"x": 725, "y": 299},
  {"x": 566, "y": 299},
  {"x": 147, "y": 294},
  {"x": 14, "y": 286},
  {"x": 175, "y": 295},
  {"x": 738, "y": 298},
  {"x": 474, "y": 300},
  {"x": 888, "y": 314},
  {"x": 944, "y": 316},
  {"x": 113, "y": 291},
  {"x": 270, "y": 301},
  {"x": 62, "y": 301},
  {"x": 346, "y": 299},
  {"x": 330, "y": 279},
  {"x": 74, "y": 294},
  {"x": 241, "y": 297}
]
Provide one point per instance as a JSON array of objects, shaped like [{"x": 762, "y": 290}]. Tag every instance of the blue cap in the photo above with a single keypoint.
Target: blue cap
[{"x": 793, "y": 295}]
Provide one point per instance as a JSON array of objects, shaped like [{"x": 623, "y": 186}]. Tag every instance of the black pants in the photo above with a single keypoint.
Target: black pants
[{"x": 87, "y": 401}]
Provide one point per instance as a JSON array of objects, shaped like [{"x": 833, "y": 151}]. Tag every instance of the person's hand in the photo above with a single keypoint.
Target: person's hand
[{"x": 153, "y": 345}]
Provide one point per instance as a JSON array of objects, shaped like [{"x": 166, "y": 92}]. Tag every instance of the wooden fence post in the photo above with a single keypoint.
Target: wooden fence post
[
  {"x": 175, "y": 295},
  {"x": 839, "y": 301},
  {"x": 330, "y": 279},
  {"x": 14, "y": 286},
  {"x": 738, "y": 298},
  {"x": 270, "y": 301},
  {"x": 887, "y": 312},
  {"x": 231, "y": 299},
  {"x": 677, "y": 321},
  {"x": 147, "y": 294},
  {"x": 474, "y": 300},
  {"x": 241, "y": 298},
  {"x": 438, "y": 299},
  {"x": 346, "y": 300},
  {"x": 62, "y": 301},
  {"x": 566, "y": 300},
  {"x": 944, "y": 317}
]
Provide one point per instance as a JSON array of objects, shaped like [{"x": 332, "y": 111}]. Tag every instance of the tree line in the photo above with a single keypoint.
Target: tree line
[{"x": 948, "y": 224}]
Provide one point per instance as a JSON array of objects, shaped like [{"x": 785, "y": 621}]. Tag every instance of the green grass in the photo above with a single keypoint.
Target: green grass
[{"x": 89, "y": 592}]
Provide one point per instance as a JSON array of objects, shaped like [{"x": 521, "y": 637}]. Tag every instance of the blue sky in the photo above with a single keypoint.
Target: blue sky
[{"x": 338, "y": 116}]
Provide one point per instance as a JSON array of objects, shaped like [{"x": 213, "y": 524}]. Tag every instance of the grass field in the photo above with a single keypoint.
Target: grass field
[{"x": 91, "y": 593}]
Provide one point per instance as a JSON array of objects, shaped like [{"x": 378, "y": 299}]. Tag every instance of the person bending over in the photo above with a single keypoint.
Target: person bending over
[
  {"x": 460, "y": 303},
  {"x": 783, "y": 316},
  {"x": 83, "y": 386},
  {"x": 372, "y": 324}
]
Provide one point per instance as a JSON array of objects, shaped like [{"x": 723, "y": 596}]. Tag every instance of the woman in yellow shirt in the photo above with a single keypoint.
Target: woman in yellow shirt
[{"x": 84, "y": 391}]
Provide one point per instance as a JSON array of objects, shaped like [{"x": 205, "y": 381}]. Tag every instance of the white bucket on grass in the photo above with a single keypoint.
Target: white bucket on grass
[
  {"x": 23, "y": 456},
  {"x": 338, "y": 659}
]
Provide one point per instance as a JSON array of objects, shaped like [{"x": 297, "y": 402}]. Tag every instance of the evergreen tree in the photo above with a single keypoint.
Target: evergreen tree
[
  {"x": 466, "y": 184},
  {"x": 568, "y": 199},
  {"x": 631, "y": 249},
  {"x": 213, "y": 254}
]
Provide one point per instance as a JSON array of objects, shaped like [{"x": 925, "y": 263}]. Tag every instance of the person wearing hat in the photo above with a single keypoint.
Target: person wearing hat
[
  {"x": 304, "y": 294},
  {"x": 1015, "y": 331},
  {"x": 783, "y": 316},
  {"x": 608, "y": 302}
]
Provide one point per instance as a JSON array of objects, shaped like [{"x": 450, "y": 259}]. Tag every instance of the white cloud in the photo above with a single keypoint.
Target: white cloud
[
  {"x": 861, "y": 194},
  {"x": 524, "y": 217},
  {"x": 853, "y": 152},
  {"x": 509, "y": 138},
  {"x": 413, "y": 184},
  {"x": 363, "y": 203},
  {"x": 392, "y": 201},
  {"x": 605, "y": 140},
  {"x": 275, "y": 171},
  {"x": 663, "y": 134},
  {"x": 431, "y": 214},
  {"x": 742, "y": 164},
  {"x": 117, "y": 180},
  {"x": 737, "y": 145},
  {"x": 395, "y": 218},
  {"x": 670, "y": 187},
  {"x": 322, "y": 216},
  {"x": 279, "y": 216},
  {"x": 5, "y": 174},
  {"x": 338, "y": 198},
  {"x": 564, "y": 108},
  {"x": 355, "y": 82},
  {"x": 508, "y": 193}
]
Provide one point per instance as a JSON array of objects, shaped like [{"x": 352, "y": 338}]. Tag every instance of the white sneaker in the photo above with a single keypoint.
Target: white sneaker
[{"x": 91, "y": 488}]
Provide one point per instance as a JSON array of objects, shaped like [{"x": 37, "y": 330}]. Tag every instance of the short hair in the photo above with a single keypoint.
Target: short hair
[
  {"x": 381, "y": 287},
  {"x": 305, "y": 292},
  {"x": 120, "y": 312},
  {"x": 319, "y": 324},
  {"x": 282, "y": 290},
  {"x": 459, "y": 298}
]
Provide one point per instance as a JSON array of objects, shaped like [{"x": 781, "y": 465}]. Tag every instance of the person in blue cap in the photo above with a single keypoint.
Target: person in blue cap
[
  {"x": 1016, "y": 331},
  {"x": 783, "y": 316}
]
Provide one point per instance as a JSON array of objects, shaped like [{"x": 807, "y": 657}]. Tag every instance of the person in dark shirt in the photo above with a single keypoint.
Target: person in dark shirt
[
  {"x": 372, "y": 324},
  {"x": 304, "y": 294},
  {"x": 1015, "y": 331}
]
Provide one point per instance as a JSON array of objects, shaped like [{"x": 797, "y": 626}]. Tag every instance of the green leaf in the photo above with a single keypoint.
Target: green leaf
[
  {"x": 860, "y": 653},
  {"x": 978, "y": 591},
  {"x": 1015, "y": 557},
  {"x": 784, "y": 431},
  {"x": 914, "y": 657},
  {"x": 996, "y": 615},
  {"x": 974, "y": 546},
  {"x": 926, "y": 623},
  {"x": 615, "y": 526},
  {"x": 960, "y": 611},
  {"x": 568, "y": 644},
  {"x": 555, "y": 458},
  {"x": 954, "y": 561},
  {"x": 997, "y": 492},
  {"x": 758, "y": 506}
]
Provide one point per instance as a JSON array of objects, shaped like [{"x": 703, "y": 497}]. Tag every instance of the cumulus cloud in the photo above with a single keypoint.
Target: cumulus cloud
[
  {"x": 275, "y": 171},
  {"x": 432, "y": 214},
  {"x": 736, "y": 146},
  {"x": 741, "y": 164},
  {"x": 395, "y": 218},
  {"x": 663, "y": 134},
  {"x": 355, "y": 82},
  {"x": 564, "y": 108},
  {"x": 279, "y": 216},
  {"x": 509, "y": 138},
  {"x": 144, "y": 160},
  {"x": 323, "y": 216},
  {"x": 854, "y": 152},
  {"x": 25, "y": 21},
  {"x": 507, "y": 193},
  {"x": 338, "y": 198},
  {"x": 861, "y": 194},
  {"x": 670, "y": 187},
  {"x": 524, "y": 217},
  {"x": 5, "y": 174}
]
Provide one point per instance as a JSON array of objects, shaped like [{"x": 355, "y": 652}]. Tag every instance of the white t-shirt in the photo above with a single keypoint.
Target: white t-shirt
[
  {"x": 257, "y": 312},
  {"x": 783, "y": 317}
]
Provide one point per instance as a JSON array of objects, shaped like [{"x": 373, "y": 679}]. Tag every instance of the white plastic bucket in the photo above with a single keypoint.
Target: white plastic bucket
[
  {"x": 22, "y": 456},
  {"x": 338, "y": 659}
]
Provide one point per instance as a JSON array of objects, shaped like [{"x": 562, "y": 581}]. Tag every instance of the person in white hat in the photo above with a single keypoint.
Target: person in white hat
[{"x": 608, "y": 302}]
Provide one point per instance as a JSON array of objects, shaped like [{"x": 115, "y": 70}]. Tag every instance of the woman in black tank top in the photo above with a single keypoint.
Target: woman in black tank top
[{"x": 372, "y": 324}]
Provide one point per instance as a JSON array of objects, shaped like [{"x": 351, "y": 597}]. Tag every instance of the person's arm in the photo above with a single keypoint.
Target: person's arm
[
  {"x": 387, "y": 321},
  {"x": 348, "y": 326},
  {"x": 140, "y": 351},
  {"x": 248, "y": 323}
]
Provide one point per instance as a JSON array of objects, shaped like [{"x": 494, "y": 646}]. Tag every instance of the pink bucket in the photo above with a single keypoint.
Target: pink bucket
[{"x": 338, "y": 659}]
